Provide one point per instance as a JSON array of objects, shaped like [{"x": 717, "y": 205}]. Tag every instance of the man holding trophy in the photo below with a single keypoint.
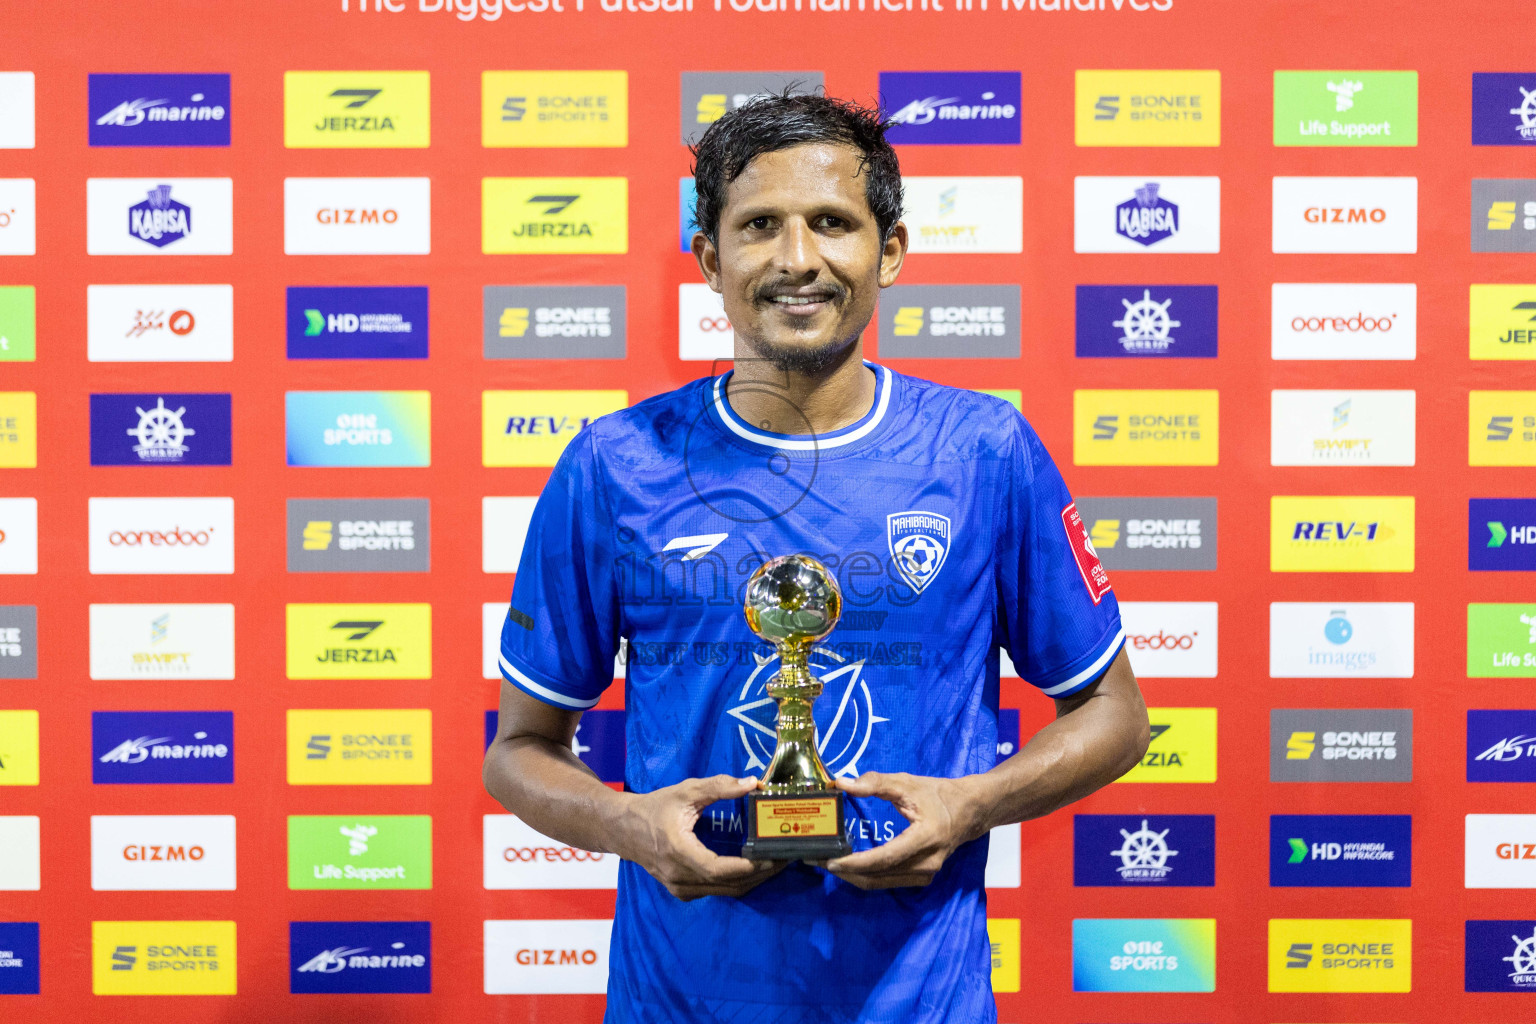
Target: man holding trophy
[{"x": 843, "y": 881}]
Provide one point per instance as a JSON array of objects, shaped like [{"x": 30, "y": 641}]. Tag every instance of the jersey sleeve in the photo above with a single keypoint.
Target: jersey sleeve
[
  {"x": 1059, "y": 620},
  {"x": 562, "y": 629}
]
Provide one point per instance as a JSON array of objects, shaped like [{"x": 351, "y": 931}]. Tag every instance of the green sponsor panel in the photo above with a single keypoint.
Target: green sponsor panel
[
  {"x": 360, "y": 852},
  {"x": 1501, "y": 641},
  {"x": 1346, "y": 108},
  {"x": 1013, "y": 396},
  {"x": 18, "y": 324}
]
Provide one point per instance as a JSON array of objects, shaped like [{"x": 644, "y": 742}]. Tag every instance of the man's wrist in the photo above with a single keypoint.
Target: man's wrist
[{"x": 978, "y": 805}]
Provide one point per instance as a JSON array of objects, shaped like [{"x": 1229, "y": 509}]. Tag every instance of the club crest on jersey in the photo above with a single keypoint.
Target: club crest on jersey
[{"x": 919, "y": 544}]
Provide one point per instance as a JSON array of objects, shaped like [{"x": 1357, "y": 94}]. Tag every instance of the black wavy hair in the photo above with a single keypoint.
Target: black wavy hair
[{"x": 774, "y": 122}]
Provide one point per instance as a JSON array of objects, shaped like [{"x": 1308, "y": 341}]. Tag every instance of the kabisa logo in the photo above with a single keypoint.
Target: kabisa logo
[
  {"x": 1346, "y": 108},
  {"x": 1120, "y": 850},
  {"x": 707, "y": 95},
  {"x": 360, "y": 956},
  {"x": 1501, "y": 956},
  {"x": 19, "y": 952},
  {"x": 160, "y": 430},
  {"x": 1503, "y": 108},
  {"x": 1148, "y": 108},
  {"x": 359, "y": 641},
  {"x": 1340, "y": 955},
  {"x": 919, "y": 542},
  {"x": 1503, "y": 215},
  {"x": 1501, "y": 745},
  {"x": 1116, "y": 321},
  {"x": 553, "y": 322},
  {"x": 373, "y": 852},
  {"x": 950, "y": 321},
  {"x": 554, "y": 215},
  {"x": 1501, "y": 641},
  {"x": 159, "y": 219},
  {"x": 154, "y": 747},
  {"x": 1144, "y": 955},
  {"x": 1341, "y": 534},
  {"x": 1148, "y": 218},
  {"x": 356, "y": 109},
  {"x": 1152, "y": 533},
  {"x": 554, "y": 108},
  {"x": 159, "y": 110},
  {"x": 357, "y": 323},
  {"x": 18, "y": 640},
  {"x": 1183, "y": 747},
  {"x": 165, "y": 958},
  {"x": 1341, "y": 745},
  {"x": 360, "y": 747},
  {"x": 952, "y": 107},
  {"x": 1341, "y": 850}
]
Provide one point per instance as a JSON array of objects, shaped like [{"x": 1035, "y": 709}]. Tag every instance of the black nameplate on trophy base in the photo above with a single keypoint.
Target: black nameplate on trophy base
[{"x": 805, "y": 826}]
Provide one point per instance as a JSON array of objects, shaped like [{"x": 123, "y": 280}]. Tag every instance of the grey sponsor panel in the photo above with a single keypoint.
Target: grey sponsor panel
[
  {"x": 359, "y": 535},
  {"x": 707, "y": 95},
  {"x": 18, "y": 641},
  {"x": 957, "y": 321},
  {"x": 553, "y": 322},
  {"x": 1152, "y": 533},
  {"x": 1503, "y": 215},
  {"x": 1332, "y": 745}
]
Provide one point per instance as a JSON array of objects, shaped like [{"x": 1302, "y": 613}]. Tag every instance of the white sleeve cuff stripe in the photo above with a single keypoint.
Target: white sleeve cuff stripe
[
  {"x": 540, "y": 690},
  {"x": 1087, "y": 673}
]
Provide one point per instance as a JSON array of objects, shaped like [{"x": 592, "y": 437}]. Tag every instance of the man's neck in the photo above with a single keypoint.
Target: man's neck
[{"x": 786, "y": 402}]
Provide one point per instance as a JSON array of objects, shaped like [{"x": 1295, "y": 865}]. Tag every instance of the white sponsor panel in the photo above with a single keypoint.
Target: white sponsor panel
[
  {"x": 1170, "y": 639},
  {"x": 1133, "y": 214},
  {"x": 159, "y": 217},
  {"x": 18, "y": 536},
  {"x": 156, "y": 536},
  {"x": 492, "y": 615},
  {"x": 957, "y": 215},
  {"x": 503, "y": 528},
  {"x": 1005, "y": 669},
  {"x": 1345, "y": 215},
  {"x": 18, "y": 110},
  {"x": 18, "y": 217},
  {"x": 160, "y": 323},
  {"x": 1501, "y": 851},
  {"x": 1341, "y": 428},
  {"x": 20, "y": 853},
  {"x": 357, "y": 216},
  {"x": 162, "y": 641},
  {"x": 526, "y": 957},
  {"x": 1003, "y": 870},
  {"x": 1341, "y": 640},
  {"x": 1343, "y": 321},
  {"x": 518, "y": 857},
  {"x": 162, "y": 852},
  {"x": 703, "y": 332}
]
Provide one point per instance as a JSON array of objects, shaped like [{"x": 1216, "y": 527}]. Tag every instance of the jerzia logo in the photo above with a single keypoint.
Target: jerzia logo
[
  {"x": 554, "y": 215},
  {"x": 356, "y": 109},
  {"x": 362, "y": 641}
]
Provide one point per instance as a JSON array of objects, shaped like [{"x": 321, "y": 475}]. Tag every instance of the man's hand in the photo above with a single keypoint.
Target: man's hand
[
  {"x": 941, "y": 819},
  {"x": 658, "y": 829}
]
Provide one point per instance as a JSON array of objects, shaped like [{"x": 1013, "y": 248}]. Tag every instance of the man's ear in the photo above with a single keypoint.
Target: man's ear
[
  {"x": 893, "y": 255},
  {"x": 708, "y": 258}
]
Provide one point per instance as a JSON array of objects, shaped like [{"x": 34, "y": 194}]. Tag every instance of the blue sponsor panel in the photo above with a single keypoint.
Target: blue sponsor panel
[
  {"x": 951, "y": 107},
  {"x": 1501, "y": 746},
  {"x": 599, "y": 742},
  {"x": 1501, "y": 956},
  {"x": 1153, "y": 320},
  {"x": 1343, "y": 850},
  {"x": 159, "y": 110},
  {"x": 162, "y": 747},
  {"x": 359, "y": 956},
  {"x": 160, "y": 429},
  {"x": 1504, "y": 108},
  {"x": 687, "y": 195},
  {"x": 1144, "y": 849},
  {"x": 1007, "y": 733},
  {"x": 357, "y": 323},
  {"x": 19, "y": 948},
  {"x": 1501, "y": 534}
]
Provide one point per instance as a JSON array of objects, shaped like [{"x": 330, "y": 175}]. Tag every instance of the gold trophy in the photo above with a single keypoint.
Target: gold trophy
[{"x": 795, "y": 813}]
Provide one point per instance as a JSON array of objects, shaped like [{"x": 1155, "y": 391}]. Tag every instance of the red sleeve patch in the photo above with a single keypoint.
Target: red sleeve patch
[{"x": 1094, "y": 576}]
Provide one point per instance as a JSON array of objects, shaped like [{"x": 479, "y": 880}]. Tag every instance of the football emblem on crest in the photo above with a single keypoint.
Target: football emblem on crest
[{"x": 919, "y": 544}]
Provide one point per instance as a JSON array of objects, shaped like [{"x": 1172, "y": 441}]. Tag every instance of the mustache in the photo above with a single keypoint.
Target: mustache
[{"x": 833, "y": 291}]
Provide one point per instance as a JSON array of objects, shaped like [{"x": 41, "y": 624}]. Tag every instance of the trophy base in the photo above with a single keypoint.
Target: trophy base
[{"x": 804, "y": 826}]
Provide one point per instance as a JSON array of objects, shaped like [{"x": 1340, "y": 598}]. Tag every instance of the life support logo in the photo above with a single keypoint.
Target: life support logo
[
  {"x": 845, "y": 716},
  {"x": 919, "y": 543}
]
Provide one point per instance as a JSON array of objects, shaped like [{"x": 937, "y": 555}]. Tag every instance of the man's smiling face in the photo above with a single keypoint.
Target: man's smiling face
[{"x": 800, "y": 261}]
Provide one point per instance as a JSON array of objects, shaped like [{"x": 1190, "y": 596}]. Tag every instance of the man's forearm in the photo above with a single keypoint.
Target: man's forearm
[{"x": 547, "y": 786}]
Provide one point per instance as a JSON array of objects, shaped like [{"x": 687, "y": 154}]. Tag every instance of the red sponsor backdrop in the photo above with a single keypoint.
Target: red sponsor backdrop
[{"x": 256, "y": 42}]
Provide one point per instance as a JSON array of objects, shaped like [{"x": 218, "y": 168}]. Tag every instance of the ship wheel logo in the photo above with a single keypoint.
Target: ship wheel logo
[
  {"x": 845, "y": 714},
  {"x": 1526, "y": 112},
  {"x": 1146, "y": 324},
  {"x": 1523, "y": 960},
  {"x": 1144, "y": 853},
  {"x": 160, "y": 433}
]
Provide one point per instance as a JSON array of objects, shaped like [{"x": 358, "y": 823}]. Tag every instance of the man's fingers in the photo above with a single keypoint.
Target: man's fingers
[
  {"x": 875, "y": 784},
  {"x": 908, "y": 844},
  {"x": 701, "y": 792}
]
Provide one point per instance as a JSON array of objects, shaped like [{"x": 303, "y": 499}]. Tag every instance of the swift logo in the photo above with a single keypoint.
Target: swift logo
[{"x": 697, "y": 547}]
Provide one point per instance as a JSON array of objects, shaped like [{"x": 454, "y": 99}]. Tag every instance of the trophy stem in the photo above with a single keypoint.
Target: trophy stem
[{"x": 796, "y": 766}]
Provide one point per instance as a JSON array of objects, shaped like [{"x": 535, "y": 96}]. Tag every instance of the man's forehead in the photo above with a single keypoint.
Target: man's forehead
[{"x": 818, "y": 170}]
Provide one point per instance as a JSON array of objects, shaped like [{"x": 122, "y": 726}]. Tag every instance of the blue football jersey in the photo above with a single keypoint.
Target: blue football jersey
[{"x": 950, "y": 533}]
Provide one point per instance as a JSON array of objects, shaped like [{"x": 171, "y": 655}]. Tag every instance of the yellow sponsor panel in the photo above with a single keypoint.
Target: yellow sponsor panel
[
  {"x": 532, "y": 428},
  {"x": 357, "y": 109},
  {"x": 554, "y": 215},
  {"x": 359, "y": 641},
  {"x": 1003, "y": 934},
  {"x": 1340, "y": 955},
  {"x": 18, "y": 748},
  {"x": 1501, "y": 428},
  {"x": 1145, "y": 428},
  {"x": 554, "y": 108},
  {"x": 18, "y": 430},
  {"x": 163, "y": 958},
  {"x": 1183, "y": 747},
  {"x": 360, "y": 747},
  {"x": 1503, "y": 321},
  {"x": 1148, "y": 108},
  {"x": 1365, "y": 533}
]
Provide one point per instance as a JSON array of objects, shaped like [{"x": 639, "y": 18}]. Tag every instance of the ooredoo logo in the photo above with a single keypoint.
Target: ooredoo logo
[
  {"x": 703, "y": 332},
  {"x": 156, "y": 536},
  {"x": 1171, "y": 638},
  {"x": 518, "y": 857},
  {"x": 546, "y": 957}
]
